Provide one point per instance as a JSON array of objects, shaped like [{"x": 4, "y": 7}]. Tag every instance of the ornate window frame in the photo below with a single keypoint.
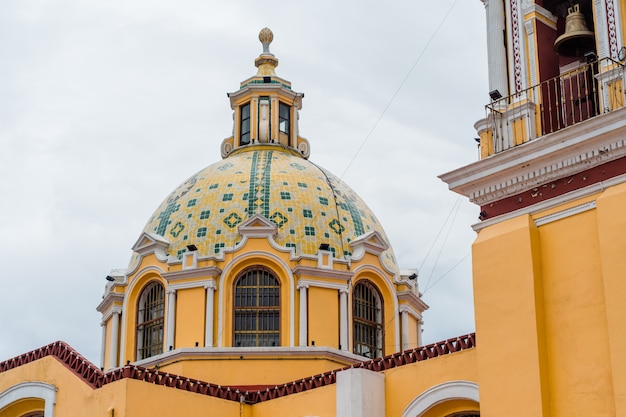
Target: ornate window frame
[
  {"x": 367, "y": 319},
  {"x": 265, "y": 311},
  {"x": 152, "y": 293}
]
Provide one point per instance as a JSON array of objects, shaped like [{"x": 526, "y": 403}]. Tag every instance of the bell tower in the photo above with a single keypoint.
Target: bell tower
[{"x": 551, "y": 189}]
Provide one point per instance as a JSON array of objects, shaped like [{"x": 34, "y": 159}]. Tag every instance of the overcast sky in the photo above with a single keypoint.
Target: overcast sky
[{"x": 107, "y": 106}]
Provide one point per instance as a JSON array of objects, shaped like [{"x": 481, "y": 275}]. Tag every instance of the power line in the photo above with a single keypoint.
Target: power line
[{"x": 393, "y": 97}]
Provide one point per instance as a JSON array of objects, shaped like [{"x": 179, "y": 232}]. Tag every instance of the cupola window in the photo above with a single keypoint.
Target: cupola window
[
  {"x": 284, "y": 112},
  {"x": 256, "y": 309},
  {"x": 367, "y": 320},
  {"x": 245, "y": 125},
  {"x": 150, "y": 314}
]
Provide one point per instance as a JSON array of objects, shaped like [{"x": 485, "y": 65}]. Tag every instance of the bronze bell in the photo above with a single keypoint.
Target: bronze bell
[{"x": 577, "y": 39}]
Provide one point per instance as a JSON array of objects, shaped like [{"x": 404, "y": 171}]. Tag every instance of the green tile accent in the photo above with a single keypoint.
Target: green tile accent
[
  {"x": 232, "y": 220},
  {"x": 336, "y": 226},
  {"x": 324, "y": 201},
  {"x": 217, "y": 247},
  {"x": 260, "y": 183},
  {"x": 227, "y": 197},
  {"x": 309, "y": 230},
  {"x": 164, "y": 218},
  {"x": 307, "y": 213},
  {"x": 205, "y": 214},
  {"x": 178, "y": 227},
  {"x": 191, "y": 202},
  {"x": 201, "y": 232},
  {"x": 278, "y": 218}
]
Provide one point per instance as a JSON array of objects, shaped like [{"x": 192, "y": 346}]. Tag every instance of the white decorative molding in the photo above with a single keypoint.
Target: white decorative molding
[
  {"x": 269, "y": 353},
  {"x": 517, "y": 50},
  {"x": 222, "y": 293},
  {"x": 302, "y": 270},
  {"x": 415, "y": 305},
  {"x": 194, "y": 284},
  {"x": 110, "y": 300},
  {"x": 33, "y": 389},
  {"x": 133, "y": 281},
  {"x": 364, "y": 269},
  {"x": 321, "y": 284},
  {"x": 553, "y": 202},
  {"x": 325, "y": 259},
  {"x": 258, "y": 226},
  {"x": 148, "y": 243},
  {"x": 114, "y": 310},
  {"x": 209, "y": 271},
  {"x": 565, "y": 213},
  {"x": 453, "y": 390},
  {"x": 529, "y": 26},
  {"x": 557, "y": 155},
  {"x": 190, "y": 263}
]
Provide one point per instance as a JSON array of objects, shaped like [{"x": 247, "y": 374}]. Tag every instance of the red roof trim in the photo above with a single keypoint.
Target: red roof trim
[{"x": 95, "y": 378}]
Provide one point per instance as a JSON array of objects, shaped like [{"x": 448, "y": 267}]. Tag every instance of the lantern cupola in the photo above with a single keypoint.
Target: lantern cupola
[{"x": 265, "y": 108}]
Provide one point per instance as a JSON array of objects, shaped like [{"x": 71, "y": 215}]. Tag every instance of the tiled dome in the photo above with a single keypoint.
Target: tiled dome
[{"x": 309, "y": 205}]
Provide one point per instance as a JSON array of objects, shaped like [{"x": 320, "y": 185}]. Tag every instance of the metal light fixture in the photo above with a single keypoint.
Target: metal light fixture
[{"x": 495, "y": 95}]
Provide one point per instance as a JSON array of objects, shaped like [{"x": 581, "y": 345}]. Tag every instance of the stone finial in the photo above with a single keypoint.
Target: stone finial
[
  {"x": 266, "y": 62},
  {"x": 266, "y": 37}
]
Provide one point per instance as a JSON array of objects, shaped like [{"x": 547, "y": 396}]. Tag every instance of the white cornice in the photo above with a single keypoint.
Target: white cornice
[
  {"x": 209, "y": 271},
  {"x": 412, "y": 300},
  {"x": 193, "y": 284},
  {"x": 109, "y": 301},
  {"x": 557, "y": 155},
  {"x": 322, "y": 284},
  {"x": 301, "y": 270},
  {"x": 553, "y": 202},
  {"x": 115, "y": 310},
  {"x": 259, "y": 353}
]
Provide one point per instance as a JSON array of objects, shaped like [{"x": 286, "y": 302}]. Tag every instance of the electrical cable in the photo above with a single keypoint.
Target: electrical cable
[{"x": 393, "y": 97}]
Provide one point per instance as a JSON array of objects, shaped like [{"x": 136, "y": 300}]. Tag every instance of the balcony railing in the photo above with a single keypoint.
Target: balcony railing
[{"x": 586, "y": 91}]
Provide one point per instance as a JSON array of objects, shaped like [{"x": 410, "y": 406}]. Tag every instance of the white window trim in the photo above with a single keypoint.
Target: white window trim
[
  {"x": 453, "y": 390},
  {"x": 39, "y": 390}
]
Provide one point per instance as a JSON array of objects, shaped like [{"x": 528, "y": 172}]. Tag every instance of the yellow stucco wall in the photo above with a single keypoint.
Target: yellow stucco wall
[
  {"x": 317, "y": 402},
  {"x": 549, "y": 310},
  {"x": 244, "y": 370},
  {"x": 323, "y": 317},
  {"x": 190, "y": 317},
  {"x": 404, "y": 383},
  {"x": 508, "y": 305},
  {"x": 612, "y": 233},
  {"x": 575, "y": 315}
]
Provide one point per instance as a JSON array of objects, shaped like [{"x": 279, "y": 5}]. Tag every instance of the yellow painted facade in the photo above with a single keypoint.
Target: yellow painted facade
[{"x": 264, "y": 286}]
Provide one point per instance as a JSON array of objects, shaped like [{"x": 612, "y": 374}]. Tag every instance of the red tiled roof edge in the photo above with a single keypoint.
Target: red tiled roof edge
[
  {"x": 64, "y": 353},
  {"x": 95, "y": 378}
]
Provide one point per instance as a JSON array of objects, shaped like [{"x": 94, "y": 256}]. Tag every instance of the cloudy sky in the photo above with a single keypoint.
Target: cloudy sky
[{"x": 107, "y": 106}]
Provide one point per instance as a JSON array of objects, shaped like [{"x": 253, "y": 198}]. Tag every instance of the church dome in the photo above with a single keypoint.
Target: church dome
[
  {"x": 265, "y": 171},
  {"x": 309, "y": 205}
]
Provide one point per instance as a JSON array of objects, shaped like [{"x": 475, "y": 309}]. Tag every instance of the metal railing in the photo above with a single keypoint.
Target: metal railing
[{"x": 587, "y": 91}]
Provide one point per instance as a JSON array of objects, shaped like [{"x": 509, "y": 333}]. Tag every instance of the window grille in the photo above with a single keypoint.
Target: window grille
[
  {"x": 257, "y": 309},
  {"x": 367, "y": 321},
  {"x": 150, "y": 314}
]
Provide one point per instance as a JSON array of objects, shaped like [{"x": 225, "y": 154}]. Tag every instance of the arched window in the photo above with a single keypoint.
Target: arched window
[
  {"x": 367, "y": 320},
  {"x": 256, "y": 309},
  {"x": 150, "y": 313}
]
